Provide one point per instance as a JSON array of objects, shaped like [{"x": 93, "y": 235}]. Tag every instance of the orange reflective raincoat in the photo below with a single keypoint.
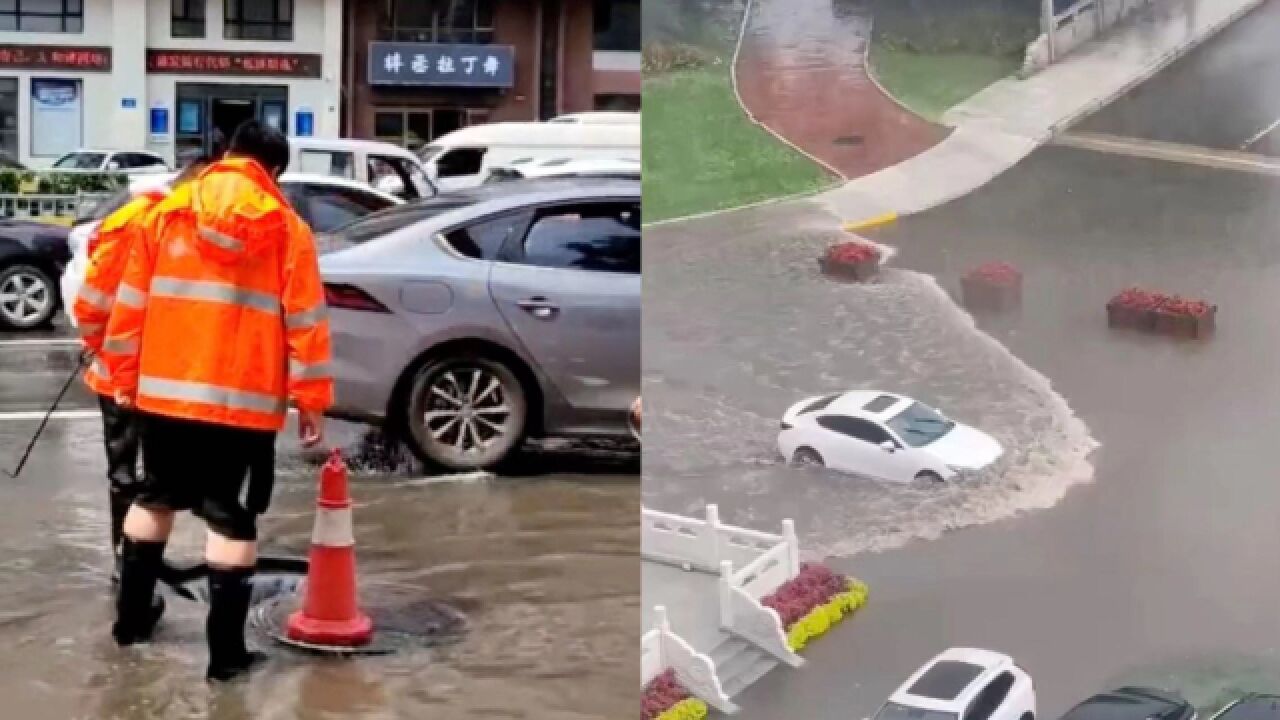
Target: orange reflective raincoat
[
  {"x": 108, "y": 253},
  {"x": 220, "y": 316}
]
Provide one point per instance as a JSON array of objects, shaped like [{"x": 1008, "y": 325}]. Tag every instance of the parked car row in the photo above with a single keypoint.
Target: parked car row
[{"x": 972, "y": 684}]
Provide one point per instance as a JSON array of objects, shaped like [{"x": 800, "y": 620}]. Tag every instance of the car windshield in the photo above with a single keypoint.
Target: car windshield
[
  {"x": 894, "y": 711},
  {"x": 80, "y": 161},
  {"x": 429, "y": 151},
  {"x": 920, "y": 425}
]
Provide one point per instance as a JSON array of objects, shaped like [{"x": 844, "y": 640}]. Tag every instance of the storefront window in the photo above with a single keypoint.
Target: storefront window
[
  {"x": 414, "y": 128},
  {"x": 188, "y": 18},
  {"x": 42, "y": 15},
  {"x": 9, "y": 117},
  {"x": 57, "y": 116},
  {"x": 617, "y": 25},
  {"x": 460, "y": 21},
  {"x": 615, "y": 102},
  {"x": 258, "y": 19}
]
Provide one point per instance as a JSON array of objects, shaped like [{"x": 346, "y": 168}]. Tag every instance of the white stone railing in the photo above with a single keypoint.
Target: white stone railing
[
  {"x": 1075, "y": 26},
  {"x": 742, "y": 613},
  {"x": 701, "y": 544},
  {"x": 660, "y": 648}
]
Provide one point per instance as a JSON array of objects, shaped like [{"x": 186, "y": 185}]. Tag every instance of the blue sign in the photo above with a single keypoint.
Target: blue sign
[
  {"x": 442, "y": 65},
  {"x": 159, "y": 121},
  {"x": 304, "y": 123},
  {"x": 129, "y": 103}
]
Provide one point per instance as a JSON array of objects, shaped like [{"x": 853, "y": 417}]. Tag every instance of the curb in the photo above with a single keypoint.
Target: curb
[
  {"x": 874, "y": 221},
  {"x": 749, "y": 206}
]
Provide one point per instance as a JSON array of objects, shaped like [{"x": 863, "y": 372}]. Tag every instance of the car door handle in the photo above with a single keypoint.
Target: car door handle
[{"x": 539, "y": 307}]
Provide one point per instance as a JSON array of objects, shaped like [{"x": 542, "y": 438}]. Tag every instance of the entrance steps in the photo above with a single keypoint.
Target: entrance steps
[{"x": 739, "y": 663}]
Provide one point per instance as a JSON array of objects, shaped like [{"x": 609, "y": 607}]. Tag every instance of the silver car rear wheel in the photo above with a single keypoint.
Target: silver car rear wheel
[
  {"x": 466, "y": 413},
  {"x": 27, "y": 297}
]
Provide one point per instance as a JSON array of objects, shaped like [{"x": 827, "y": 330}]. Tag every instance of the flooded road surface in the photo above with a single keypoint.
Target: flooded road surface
[
  {"x": 801, "y": 71},
  {"x": 544, "y": 566},
  {"x": 1157, "y": 562}
]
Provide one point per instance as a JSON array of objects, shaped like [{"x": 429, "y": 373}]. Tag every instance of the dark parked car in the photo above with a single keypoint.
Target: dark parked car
[
  {"x": 1251, "y": 707},
  {"x": 32, "y": 257},
  {"x": 1133, "y": 703}
]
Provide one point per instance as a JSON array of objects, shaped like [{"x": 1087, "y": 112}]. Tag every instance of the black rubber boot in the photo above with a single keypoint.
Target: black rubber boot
[
  {"x": 119, "y": 508},
  {"x": 229, "y": 593},
  {"x": 138, "y": 608}
]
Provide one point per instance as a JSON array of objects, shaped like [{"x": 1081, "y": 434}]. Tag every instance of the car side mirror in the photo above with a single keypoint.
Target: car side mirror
[{"x": 888, "y": 446}]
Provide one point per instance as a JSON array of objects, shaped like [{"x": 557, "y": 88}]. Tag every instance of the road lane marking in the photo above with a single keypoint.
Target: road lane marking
[
  {"x": 1172, "y": 152},
  {"x": 1261, "y": 134},
  {"x": 55, "y": 342}
]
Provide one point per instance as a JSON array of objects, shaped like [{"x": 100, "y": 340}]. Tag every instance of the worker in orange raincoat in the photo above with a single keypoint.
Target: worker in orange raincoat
[
  {"x": 219, "y": 323},
  {"x": 108, "y": 252}
]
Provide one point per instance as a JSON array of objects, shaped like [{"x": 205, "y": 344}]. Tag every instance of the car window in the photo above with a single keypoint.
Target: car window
[
  {"x": 856, "y": 428},
  {"x": 990, "y": 699},
  {"x": 399, "y": 217},
  {"x": 460, "y": 162},
  {"x": 328, "y": 162},
  {"x": 895, "y": 711},
  {"x": 330, "y": 208},
  {"x": 80, "y": 161},
  {"x": 408, "y": 173},
  {"x": 598, "y": 237},
  {"x": 484, "y": 240}
]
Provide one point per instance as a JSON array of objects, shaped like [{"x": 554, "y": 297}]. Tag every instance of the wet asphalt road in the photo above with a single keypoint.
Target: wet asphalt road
[
  {"x": 1149, "y": 560},
  {"x": 543, "y": 564}
]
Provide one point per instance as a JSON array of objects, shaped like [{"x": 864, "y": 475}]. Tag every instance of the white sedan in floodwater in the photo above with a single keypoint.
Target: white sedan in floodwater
[
  {"x": 964, "y": 682},
  {"x": 883, "y": 436}
]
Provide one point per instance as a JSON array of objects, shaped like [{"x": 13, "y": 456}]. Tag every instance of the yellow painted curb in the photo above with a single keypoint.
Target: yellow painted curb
[{"x": 872, "y": 222}]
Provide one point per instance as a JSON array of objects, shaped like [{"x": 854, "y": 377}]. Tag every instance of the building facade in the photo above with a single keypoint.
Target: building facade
[
  {"x": 171, "y": 76},
  {"x": 418, "y": 69}
]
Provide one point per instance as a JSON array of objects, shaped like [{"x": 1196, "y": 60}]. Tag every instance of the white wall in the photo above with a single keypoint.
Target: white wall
[{"x": 129, "y": 27}]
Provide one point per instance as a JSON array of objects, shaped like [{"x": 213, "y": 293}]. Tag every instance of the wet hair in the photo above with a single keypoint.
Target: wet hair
[{"x": 264, "y": 144}]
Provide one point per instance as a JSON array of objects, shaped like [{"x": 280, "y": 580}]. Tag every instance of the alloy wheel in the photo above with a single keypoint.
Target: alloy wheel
[
  {"x": 25, "y": 299},
  {"x": 467, "y": 412}
]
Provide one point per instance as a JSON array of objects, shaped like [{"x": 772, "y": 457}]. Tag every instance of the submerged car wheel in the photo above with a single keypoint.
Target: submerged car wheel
[
  {"x": 807, "y": 456},
  {"x": 466, "y": 412},
  {"x": 27, "y": 297},
  {"x": 928, "y": 476}
]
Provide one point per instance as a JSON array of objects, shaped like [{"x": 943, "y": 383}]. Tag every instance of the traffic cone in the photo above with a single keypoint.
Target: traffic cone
[{"x": 330, "y": 614}]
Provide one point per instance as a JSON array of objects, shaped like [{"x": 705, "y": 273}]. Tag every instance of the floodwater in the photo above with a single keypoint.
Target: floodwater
[
  {"x": 544, "y": 566},
  {"x": 802, "y": 73}
]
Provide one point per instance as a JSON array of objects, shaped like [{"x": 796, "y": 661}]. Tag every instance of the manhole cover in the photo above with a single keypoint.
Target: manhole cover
[
  {"x": 396, "y": 628},
  {"x": 848, "y": 140}
]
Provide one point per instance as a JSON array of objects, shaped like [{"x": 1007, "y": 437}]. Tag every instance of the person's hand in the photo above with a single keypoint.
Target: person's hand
[
  {"x": 310, "y": 427},
  {"x": 124, "y": 400}
]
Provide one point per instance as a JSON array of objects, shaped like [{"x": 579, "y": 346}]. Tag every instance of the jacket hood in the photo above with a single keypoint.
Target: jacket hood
[{"x": 239, "y": 211}]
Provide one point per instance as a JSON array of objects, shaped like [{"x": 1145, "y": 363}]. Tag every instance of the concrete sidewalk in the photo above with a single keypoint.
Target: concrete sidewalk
[{"x": 1004, "y": 123}]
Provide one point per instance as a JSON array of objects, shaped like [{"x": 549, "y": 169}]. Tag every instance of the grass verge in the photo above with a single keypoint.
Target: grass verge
[
  {"x": 701, "y": 153},
  {"x": 932, "y": 83}
]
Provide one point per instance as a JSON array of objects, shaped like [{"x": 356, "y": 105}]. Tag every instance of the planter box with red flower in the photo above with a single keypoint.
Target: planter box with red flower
[
  {"x": 1159, "y": 313},
  {"x": 814, "y": 601},
  {"x": 664, "y": 698},
  {"x": 995, "y": 286},
  {"x": 854, "y": 261}
]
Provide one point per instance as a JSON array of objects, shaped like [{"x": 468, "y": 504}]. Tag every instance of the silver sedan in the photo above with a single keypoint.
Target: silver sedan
[{"x": 470, "y": 321}]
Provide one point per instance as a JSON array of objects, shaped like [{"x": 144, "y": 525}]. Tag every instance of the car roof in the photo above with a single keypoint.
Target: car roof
[
  {"x": 947, "y": 682},
  {"x": 1126, "y": 703},
  {"x": 151, "y": 180},
  {"x": 601, "y": 117},
  {"x": 109, "y": 151},
  {"x": 349, "y": 145},
  {"x": 863, "y": 403}
]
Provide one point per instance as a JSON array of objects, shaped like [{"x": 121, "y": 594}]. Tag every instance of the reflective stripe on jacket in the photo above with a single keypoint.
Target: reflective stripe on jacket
[
  {"x": 108, "y": 253},
  {"x": 220, "y": 316}
]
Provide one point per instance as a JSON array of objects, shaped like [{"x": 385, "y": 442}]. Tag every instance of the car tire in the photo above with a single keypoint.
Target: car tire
[
  {"x": 465, "y": 412},
  {"x": 806, "y": 456},
  {"x": 928, "y": 476},
  {"x": 28, "y": 297},
  {"x": 1027, "y": 716}
]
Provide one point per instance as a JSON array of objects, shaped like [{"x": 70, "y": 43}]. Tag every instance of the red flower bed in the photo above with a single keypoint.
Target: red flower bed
[
  {"x": 1161, "y": 313},
  {"x": 997, "y": 273},
  {"x": 1139, "y": 299},
  {"x": 1181, "y": 306},
  {"x": 660, "y": 694},
  {"x": 814, "y": 585},
  {"x": 853, "y": 252}
]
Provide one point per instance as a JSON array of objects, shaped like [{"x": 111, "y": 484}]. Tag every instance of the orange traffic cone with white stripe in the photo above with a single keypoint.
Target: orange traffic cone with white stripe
[{"x": 330, "y": 614}]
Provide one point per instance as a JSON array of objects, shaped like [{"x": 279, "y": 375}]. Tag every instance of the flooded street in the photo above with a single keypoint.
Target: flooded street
[
  {"x": 544, "y": 566},
  {"x": 1129, "y": 535},
  {"x": 799, "y": 57}
]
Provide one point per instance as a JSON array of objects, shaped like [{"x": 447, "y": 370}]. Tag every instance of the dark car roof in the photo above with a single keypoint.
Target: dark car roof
[
  {"x": 1130, "y": 703},
  {"x": 1253, "y": 707}
]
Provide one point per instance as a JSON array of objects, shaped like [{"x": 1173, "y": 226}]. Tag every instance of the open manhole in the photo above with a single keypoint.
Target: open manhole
[
  {"x": 402, "y": 621},
  {"x": 848, "y": 140}
]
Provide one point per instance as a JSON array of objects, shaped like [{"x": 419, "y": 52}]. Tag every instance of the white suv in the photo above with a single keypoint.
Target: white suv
[{"x": 964, "y": 684}]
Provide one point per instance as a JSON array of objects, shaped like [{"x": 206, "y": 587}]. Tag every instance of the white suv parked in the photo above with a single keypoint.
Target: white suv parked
[{"x": 964, "y": 684}]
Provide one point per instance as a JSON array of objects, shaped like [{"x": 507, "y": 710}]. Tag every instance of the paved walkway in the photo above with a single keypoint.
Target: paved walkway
[
  {"x": 801, "y": 72},
  {"x": 1004, "y": 123}
]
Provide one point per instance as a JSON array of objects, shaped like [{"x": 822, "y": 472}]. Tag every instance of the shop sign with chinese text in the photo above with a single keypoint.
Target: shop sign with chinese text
[
  {"x": 212, "y": 62},
  {"x": 55, "y": 57},
  {"x": 442, "y": 65}
]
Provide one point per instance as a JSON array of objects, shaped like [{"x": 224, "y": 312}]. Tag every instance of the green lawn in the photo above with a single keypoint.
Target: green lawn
[
  {"x": 930, "y": 84},
  {"x": 701, "y": 153}
]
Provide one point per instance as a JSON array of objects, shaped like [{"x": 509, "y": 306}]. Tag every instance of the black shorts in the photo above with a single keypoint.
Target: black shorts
[{"x": 223, "y": 474}]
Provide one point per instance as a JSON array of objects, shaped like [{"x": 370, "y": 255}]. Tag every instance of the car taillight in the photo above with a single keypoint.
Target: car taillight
[{"x": 350, "y": 297}]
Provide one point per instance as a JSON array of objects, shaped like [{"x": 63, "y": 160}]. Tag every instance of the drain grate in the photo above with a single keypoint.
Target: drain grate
[{"x": 848, "y": 140}]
